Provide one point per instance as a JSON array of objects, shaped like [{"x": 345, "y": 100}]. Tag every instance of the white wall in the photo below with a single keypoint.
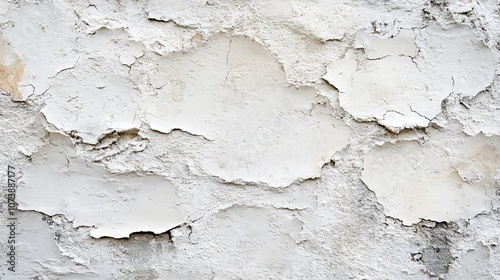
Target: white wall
[{"x": 251, "y": 139}]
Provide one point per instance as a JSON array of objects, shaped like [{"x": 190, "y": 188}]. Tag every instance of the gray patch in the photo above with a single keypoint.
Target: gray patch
[{"x": 436, "y": 255}]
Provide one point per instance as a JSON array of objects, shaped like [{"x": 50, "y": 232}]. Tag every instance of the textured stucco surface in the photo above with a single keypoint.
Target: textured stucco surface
[{"x": 251, "y": 139}]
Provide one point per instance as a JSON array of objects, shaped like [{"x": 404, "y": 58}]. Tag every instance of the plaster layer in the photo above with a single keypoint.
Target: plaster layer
[{"x": 252, "y": 139}]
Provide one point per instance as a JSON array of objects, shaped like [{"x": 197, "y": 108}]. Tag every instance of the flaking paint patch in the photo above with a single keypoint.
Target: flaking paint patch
[
  {"x": 299, "y": 33},
  {"x": 479, "y": 114},
  {"x": 233, "y": 92},
  {"x": 329, "y": 228},
  {"x": 114, "y": 205},
  {"x": 400, "y": 82},
  {"x": 96, "y": 96},
  {"x": 46, "y": 46},
  {"x": 433, "y": 181}
]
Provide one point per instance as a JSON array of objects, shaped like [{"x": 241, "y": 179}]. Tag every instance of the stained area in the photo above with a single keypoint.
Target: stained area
[{"x": 11, "y": 70}]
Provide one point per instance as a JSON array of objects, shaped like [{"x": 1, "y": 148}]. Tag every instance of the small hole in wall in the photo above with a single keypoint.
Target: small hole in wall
[{"x": 416, "y": 257}]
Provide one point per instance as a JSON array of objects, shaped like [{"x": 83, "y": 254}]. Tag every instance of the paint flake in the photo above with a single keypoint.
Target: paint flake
[
  {"x": 114, "y": 205},
  {"x": 445, "y": 179},
  {"x": 233, "y": 92},
  {"x": 400, "y": 82}
]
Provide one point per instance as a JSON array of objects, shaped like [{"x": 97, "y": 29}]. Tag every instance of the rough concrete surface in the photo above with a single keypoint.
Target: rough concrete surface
[{"x": 250, "y": 139}]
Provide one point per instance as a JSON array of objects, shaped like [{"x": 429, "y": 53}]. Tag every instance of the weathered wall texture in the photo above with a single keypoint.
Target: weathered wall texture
[{"x": 251, "y": 139}]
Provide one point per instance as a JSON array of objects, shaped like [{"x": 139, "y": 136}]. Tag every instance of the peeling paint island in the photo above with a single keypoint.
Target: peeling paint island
[
  {"x": 286, "y": 139},
  {"x": 401, "y": 81}
]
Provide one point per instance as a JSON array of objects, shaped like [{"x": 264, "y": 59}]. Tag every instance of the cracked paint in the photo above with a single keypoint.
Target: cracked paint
[
  {"x": 232, "y": 92},
  {"x": 109, "y": 99},
  {"x": 251, "y": 139},
  {"x": 44, "y": 46},
  {"x": 400, "y": 82},
  {"x": 114, "y": 205},
  {"x": 433, "y": 181}
]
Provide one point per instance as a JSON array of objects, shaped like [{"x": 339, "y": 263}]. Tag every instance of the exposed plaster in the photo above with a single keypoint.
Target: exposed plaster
[{"x": 252, "y": 139}]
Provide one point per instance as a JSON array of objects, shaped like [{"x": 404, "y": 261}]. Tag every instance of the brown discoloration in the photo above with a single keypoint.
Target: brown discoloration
[
  {"x": 11, "y": 70},
  {"x": 197, "y": 38}
]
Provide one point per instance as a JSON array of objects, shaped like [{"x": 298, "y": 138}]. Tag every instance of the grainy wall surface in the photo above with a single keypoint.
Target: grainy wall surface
[{"x": 250, "y": 139}]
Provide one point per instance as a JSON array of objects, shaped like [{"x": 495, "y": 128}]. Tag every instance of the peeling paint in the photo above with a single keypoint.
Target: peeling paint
[
  {"x": 115, "y": 205},
  {"x": 433, "y": 181},
  {"x": 44, "y": 46},
  {"x": 234, "y": 93},
  {"x": 109, "y": 99},
  {"x": 400, "y": 82},
  {"x": 251, "y": 139}
]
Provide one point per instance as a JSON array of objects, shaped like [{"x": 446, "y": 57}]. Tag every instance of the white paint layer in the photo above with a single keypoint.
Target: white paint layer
[
  {"x": 250, "y": 139},
  {"x": 234, "y": 93},
  {"x": 400, "y": 82},
  {"x": 95, "y": 96},
  {"x": 445, "y": 179},
  {"x": 114, "y": 205}
]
